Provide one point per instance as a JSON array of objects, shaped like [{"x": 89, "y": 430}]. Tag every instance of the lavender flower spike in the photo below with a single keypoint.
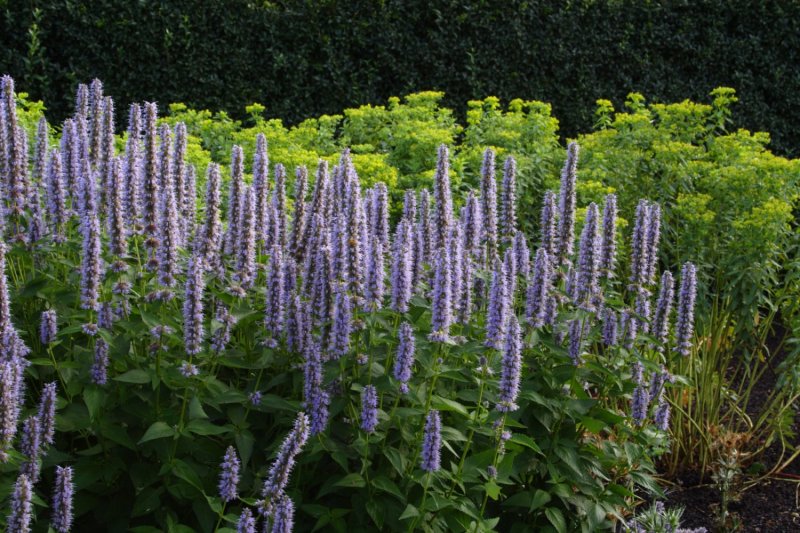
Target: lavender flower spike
[
  {"x": 498, "y": 310},
  {"x": 234, "y": 199},
  {"x": 278, "y": 477},
  {"x": 246, "y": 523},
  {"x": 443, "y": 201},
  {"x": 11, "y": 385},
  {"x": 508, "y": 200},
  {"x": 47, "y": 414},
  {"x": 369, "y": 409},
  {"x": 339, "y": 342},
  {"x": 275, "y": 310},
  {"x": 441, "y": 313},
  {"x": 229, "y": 475},
  {"x": 489, "y": 200},
  {"x": 99, "y": 372},
  {"x": 61, "y": 519},
  {"x": 548, "y": 225},
  {"x": 193, "y": 305},
  {"x": 19, "y": 521},
  {"x": 405, "y": 356},
  {"x": 663, "y": 310},
  {"x": 315, "y": 398},
  {"x": 432, "y": 442},
  {"x": 207, "y": 242},
  {"x": 30, "y": 447},
  {"x": 283, "y": 521},
  {"x": 587, "y": 289},
  {"x": 684, "y": 327},
  {"x": 512, "y": 368},
  {"x": 49, "y": 327},
  {"x": 403, "y": 255},
  {"x": 608, "y": 245},
  {"x": 566, "y": 205},
  {"x": 539, "y": 289},
  {"x": 639, "y": 260},
  {"x": 91, "y": 264}
]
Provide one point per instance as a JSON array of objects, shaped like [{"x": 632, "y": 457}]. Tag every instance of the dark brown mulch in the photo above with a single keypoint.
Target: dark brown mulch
[{"x": 770, "y": 506}]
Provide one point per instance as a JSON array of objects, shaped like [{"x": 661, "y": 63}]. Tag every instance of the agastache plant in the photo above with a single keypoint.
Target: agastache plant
[
  {"x": 150, "y": 183},
  {"x": 489, "y": 200},
  {"x": 369, "y": 409},
  {"x": 608, "y": 245},
  {"x": 548, "y": 228},
  {"x": 442, "y": 199},
  {"x": 498, "y": 309},
  {"x": 61, "y": 517},
  {"x": 402, "y": 266},
  {"x": 20, "y": 518},
  {"x": 508, "y": 201},
  {"x": 565, "y": 232},
  {"x": 405, "y": 356},
  {"x": 432, "y": 442},
  {"x": 441, "y": 312},
  {"x": 278, "y": 477},
  {"x": 511, "y": 368},
  {"x": 274, "y": 304},
  {"x": 193, "y": 305},
  {"x": 684, "y": 326},
  {"x": 229, "y": 476}
]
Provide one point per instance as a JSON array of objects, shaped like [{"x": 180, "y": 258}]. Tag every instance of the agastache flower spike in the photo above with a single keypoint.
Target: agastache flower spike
[
  {"x": 375, "y": 276},
  {"x": 608, "y": 245},
  {"x": 353, "y": 253},
  {"x": 660, "y": 328},
  {"x": 456, "y": 253},
  {"x": 508, "y": 200},
  {"x": 11, "y": 385},
  {"x": 539, "y": 289},
  {"x": 380, "y": 214},
  {"x": 189, "y": 204},
  {"x": 91, "y": 263},
  {"x": 246, "y": 247},
  {"x": 133, "y": 205},
  {"x": 511, "y": 277},
  {"x": 498, "y": 310},
  {"x": 643, "y": 310},
  {"x": 464, "y": 298},
  {"x": 229, "y": 476},
  {"x": 587, "y": 277},
  {"x": 489, "y": 200},
  {"x": 30, "y": 447},
  {"x": 70, "y": 157},
  {"x": 207, "y": 242},
  {"x": 234, "y": 199},
  {"x": 610, "y": 322},
  {"x": 193, "y": 305},
  {"x": 339, "y": 342},
  {"x": 443, "y": 201},
  {"x": 56, "y": 197},
  {"x": 369, "y": 409},
  {"x": 405, "y": 356},
  {"x": 566, "y": 205},
  {"x": 432, "y": 442},
  {"x": 639, "y": 260},
  {"x": 178, "y": 169},
  {"x": 61, "y": 519},
  {"x": 441, "y": 313},
  {"x": 630, "y": 326},
  {"x": 275, "y": 311},
  {"x": 402, "y": 259},
  {"x": 47, "y": 413},
  {"x": 576, "y": 341},
  {"x": 95, "y": 116},
  {"x": 548, "y": 225},
  {"x": 41, "y": 147},
  {"x": 19, "y": 521},
  {"x": 641, "y": 396},
  {"x": 522, "y": 255},
  {"x": 246, "y": 523},
  {"x": 278, "y": 477},
  {"x": 107, "y": 142},
  {"x": 410, "y": 206},
  {"x": 150, "y": 189},
  {"x": 261, "y": 186},
  {"x": 99, "y": 371},
  {"x": 315, "y": 398},
  {"x": 283, "y": 521},
  {"x": 49, "y": 327},
  {"x": 425, "y": 231},
  {"x": 317, "y": 208},
  {"x": 169, "y": 229},
  {"x": 279, "y": 207},
  {"x": 512, "y": 368},
  {"x": 118, "y": 234},
  {"x": 653, "y": 236},
  {"x": 473, "y": 224},
  {"x": 299, "y": 219},
  {"x": 322, "y": 284},
  {"x": 684, "y": 327}
]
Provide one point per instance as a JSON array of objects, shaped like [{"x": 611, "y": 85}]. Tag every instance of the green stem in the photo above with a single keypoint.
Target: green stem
[{"x": 422, "y": 504}]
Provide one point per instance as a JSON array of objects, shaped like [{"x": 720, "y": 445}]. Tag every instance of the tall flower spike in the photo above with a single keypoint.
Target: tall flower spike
[
  {"x": 339, "y": 342},
  {"x": 588, "y": 275},
  {"x": 17, "y": 186},
  {"x": 464, "y": 302},
  {"x": 299, "y": 218},
  {"x": 644, "y": 311},
  {"x": 283, "y": 521},
  {"x": 317, "y": 208},
  {"x": 548, "y": 228},
  {"x": 405, "y": 356},
  {"x": 96, "y": 106},
  {"x": 19, "y": 520},
  {"x": 425, "y": 229},
  {"x": 639, "y": 259},
  {"x": 380, "y": 214},
  {"x": 107, "y": 142},
  {"x": 497, "y": 313},
  {"x": 410, "y": 206},
  {"x": 641, "y": 396},
  {"x": 234, "y": 199},
  {"x": 169, "y": 228},
  {"x": 375, "y": 276},
  {"x": 133, "y": 160},
  {"x": 512, "y": 368},
  {"x": 539, "y": 289},
  {"x": 473, "y": 224},
  {"x": 322, "y": 284},
  {"x": 70, "y": 158},
  {"x": 443, "y": 201},
  {"x": 41, "y": 147},
  {"x": 522, "y": 255},
  {"x": 279, "y": 207},
  {"x": 684, "y": 327},
  {"x": 30, "y": 447},
  {"x": 246, "y": 247},
  {"x": 61, "y": 518},
  {"x": 456, "y": 245},
  {"x": 229, "y": 476},
  {"x": 261, "y": 186},
  {"x": 117, "y": 232},
  {"x": 278, "y": 477},
  {"x": 11, "y": 385},
  {"x": 609, "y": 327},
  {"x": 275, "y": 311},
  {"x": 55, "y": 195},
  {"x": 653, "y": 237},
  {"x": 663, "y": 309},
  {"x": 576, "y": 341},
  {"x": 566, "y": 205},
  {"x": 508, "y": 200},
  {"x": 432, "y": 442},
  {"x": 402, "y": 259},
  {"x": 47, "y": 413},
  {"x": 207, "y": 242},
  {"x": 91, "y": 264},
  {"x": 369, "y": 409},
  {"x": 441, "y": 312},
  {"x": 189, "y": 204},
  {"x": 315, "y": 397},
  {"x": 99, "y": 371},
  {"x": 49, "y": 326},
  {"x": 150, "y": 188},
  {"x": 489, "y": 200},
  {"x": 608, "y": 245},
  {"x": 178, "y": 166},
  {"x": 193, "y": 305},
  {"x": 353, "y": 254}
]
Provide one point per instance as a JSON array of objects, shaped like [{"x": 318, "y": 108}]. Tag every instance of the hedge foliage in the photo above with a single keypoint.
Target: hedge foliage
[{"x": 307, "y": 58}]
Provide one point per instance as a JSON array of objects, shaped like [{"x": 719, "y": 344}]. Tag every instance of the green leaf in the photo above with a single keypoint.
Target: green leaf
[
  {"x": 410, "y": 512},
  {"x": 94, "y": 398},
  {"x": 387, "y": 485},
  {"x": 196, "y": 409},
  {"x": 201, "y": 426},
  {"x": 185, "y": 472},
  {"x": 540, "y": 498},
  {"x": 136, "y": 375},
  {"x": 526, "y": 441},
  {"x": 157, "y": 430},
  {"x": 492, "y": 489},
  {"x": 352, "y": 481},
  {"x": 376, "y": 512},
  {"x": 444, "y": 404},
  {"x": 556, "y": 517}
]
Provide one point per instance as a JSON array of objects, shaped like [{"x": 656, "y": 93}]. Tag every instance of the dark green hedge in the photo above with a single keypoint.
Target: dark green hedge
[{"x": 312, "y": 57}]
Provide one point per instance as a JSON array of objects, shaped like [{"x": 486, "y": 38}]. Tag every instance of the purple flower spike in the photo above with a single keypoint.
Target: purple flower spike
[
  {"x": 443, "y": 201},
  {"x": 169, "y": 228},
  {"x": 432, "y": 442},
  {"x": 133, "y": 162},
  {"x": 684, "y": 327},
  {"x": 522, "y": 255},
  {"x": 246, "y": 523},
  {"x": 150, "y": 189},
  {"x": 369, "y": 409},
  {"x": 193, "y": 306},
  {"x": 588, "y": 275},
  {"x": 318, "y": 208},
  {"x": 283, "y": 521},
  {"x": 608, "y": 244},
  {"x": 375, "y": 276},
  {"x": 441, "y": 315},
  {"x": 91, "y": 264},
  {"x": 117, "y": 231},
  {"x": 207, "y": 242},
  {"x": 539, "y": 289},
  {"x": 99, "y": 372},
  {"x": 512, "y": 368},
  {"x": 229, "y": 475},
  {"x": 30, "y": 447},
  {"x": 548, "y": 225},
  {"x": 234, "y": 199},
  {"x": 473, "y": 224},
  {"x": 489, "y": 200},
  {"x": 402, "y": 259},
  {"x": 339, "y": 342},
  {"x": 61, "y": 519},
  {"x": 508, "y": 201},
  {"x": 315, "y": 398},
  {"x": 576, "y": 341},
  {"x": 639, "y": 249},
  {"x": 278, "y": 208},
  {"x": 275, "y": 298},
  {"x": 178, "y": 170},
  {"x": 610, "y": 322},
  {"x": 47, "y": 414},
  {"x": 299, "y": 219},
  {"x": 663, "y": 310},
  {"x": 566, "y": 205},
  {"x": 380, "y": 214},
  {"x": 405, "y": 356},
  {"x": 410, "y": 206},
  {"x": 19, "y": 520},
  {"x": 278, "y": 477},
  {"x": 55, "y": 195},
  {"x": 49, "y": 327},
  {"x": 261, "y": 186},
  {"x": 653, "y": 237},
  {"x": 498, "y": 310},
  {"x": 246, "y": 241}
]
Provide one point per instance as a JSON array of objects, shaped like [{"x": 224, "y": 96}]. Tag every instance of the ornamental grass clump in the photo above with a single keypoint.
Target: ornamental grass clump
[{"x": 253, "y": 361}]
